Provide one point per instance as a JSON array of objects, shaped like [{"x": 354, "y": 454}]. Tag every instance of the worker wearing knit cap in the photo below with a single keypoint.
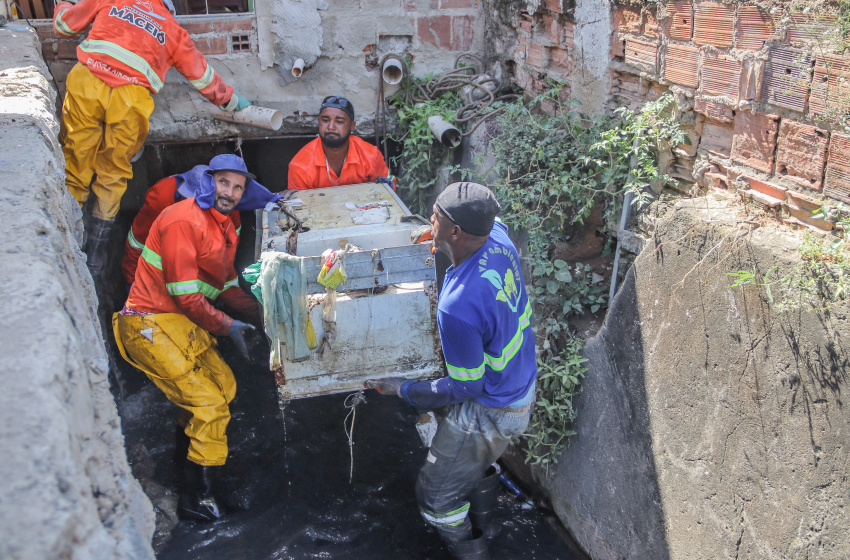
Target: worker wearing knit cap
[{"x": 484, "y": 318}]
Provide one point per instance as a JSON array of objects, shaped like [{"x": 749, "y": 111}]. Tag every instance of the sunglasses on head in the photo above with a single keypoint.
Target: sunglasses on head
[{"x": 336, "y": 102}]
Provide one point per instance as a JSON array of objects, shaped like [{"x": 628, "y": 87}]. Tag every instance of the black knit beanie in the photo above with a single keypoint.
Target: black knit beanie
[{"x": 469, "y": 205}]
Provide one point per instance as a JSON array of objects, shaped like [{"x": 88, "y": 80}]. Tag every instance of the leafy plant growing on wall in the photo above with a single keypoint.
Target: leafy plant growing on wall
[{"x": 552, "y": 171}]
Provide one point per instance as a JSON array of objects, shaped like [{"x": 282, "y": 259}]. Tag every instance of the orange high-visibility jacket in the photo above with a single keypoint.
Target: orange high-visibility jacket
[
  {"x": 310, "y": 170},
  {"x": 137, "y": 42},
  {"x": 159, "y": 197},
  {"x": 187, "y": 263}
]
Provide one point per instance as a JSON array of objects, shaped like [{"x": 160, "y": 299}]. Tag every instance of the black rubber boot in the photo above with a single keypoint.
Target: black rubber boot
[
  {"x": 475, "y": 549},
  {"x": 181, "y": 446},
  {"x": 482, "y": 503},
  {"x": 97, "y": 246},
  {"x": 196, "y": 498}
]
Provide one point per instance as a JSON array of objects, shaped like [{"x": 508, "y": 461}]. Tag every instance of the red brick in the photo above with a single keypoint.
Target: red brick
[
  {"x": 786, "y": 78},
  {"x": 197, "y": 26},
  {"x": 652, "y": 28},
  {"x": 67, "y": 49},
  {"x": 628, "y": 20},
  {"x": 775, "y": 191},
  {"x": 642, "y": 54},
  {"x": 830, "y": 85},
  {"x": 569, "y": 35},
  {"x": 801, "y": 153},
  {"x": 837, "y": 183},
  {"x": 716, "y": 138},
  {"x": 805, "y": 28},
  {"x": 45, "y": 31},
  {"x": 212, "y": 45},
  {"x": 525, "y": 23},
  {"x": 754, "y": 142},
  {"x": 681, "y": 64},
  {"x": 755, "y": 26},
  {"x": 561, "y": 61},
  {"x": 618, "y": 48},
  {"x": 49, "y": 51},
  {"x": 232, "y": 25},
  {"x": 551, "y": 28},
  {"x": 628, "y": 88},
  {"x": 721, "y": 75},
  {"x": 553, "y": 6},
  {"x": 435, "y": 30},
  {"x": 447, "y": 4},
  {"x": 715, "y": 111},
  {"x": 409, "y": 5},
  {"x": 680, "y": 20},
  {"x": 655, "y": 91},
  {"x": 536, "y": 56},
  {"x": 713, "y": 24},
  {"x": 463, "y": 32}
]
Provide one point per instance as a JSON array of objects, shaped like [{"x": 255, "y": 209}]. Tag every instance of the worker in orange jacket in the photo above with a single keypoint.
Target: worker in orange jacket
[
  {"x": 167, "y": 325},
  {"x": 160, "y": 196},
  {"x": 336, "y": 158},
  {"x": 130, "y": 47}
]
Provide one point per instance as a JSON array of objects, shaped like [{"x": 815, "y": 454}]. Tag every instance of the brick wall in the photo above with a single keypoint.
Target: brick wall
[
  {"x": 759, "y": 117},
  {"x": 755, "y": 94}
]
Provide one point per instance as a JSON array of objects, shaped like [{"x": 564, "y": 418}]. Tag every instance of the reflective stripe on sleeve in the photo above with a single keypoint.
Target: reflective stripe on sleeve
[
  {"x": 63, "y": 28},
  {"x": 192, "y": 287},
  {"x": 152, "y": 258},
  {"x": 134, "y": 243},
  {"x": 121, "y": 54},
  {"x": 232, "y": 283},
  {"x": 205, "y": 80}
]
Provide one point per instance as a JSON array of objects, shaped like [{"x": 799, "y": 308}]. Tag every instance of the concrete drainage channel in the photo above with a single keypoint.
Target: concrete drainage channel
[{"x": 286, "y": 483}]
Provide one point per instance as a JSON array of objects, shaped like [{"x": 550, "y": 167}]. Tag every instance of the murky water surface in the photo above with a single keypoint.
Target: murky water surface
[{"x": 286, "y": 482}]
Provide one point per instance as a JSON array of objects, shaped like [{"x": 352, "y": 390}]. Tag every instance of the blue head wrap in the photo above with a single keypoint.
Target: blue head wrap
[{"x": 198, "y": 183}]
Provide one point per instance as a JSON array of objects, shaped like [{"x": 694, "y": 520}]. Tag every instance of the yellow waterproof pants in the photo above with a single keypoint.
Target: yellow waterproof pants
[
  {"x": 102, "y": 129},
  {"x": 183, "y": 362}
]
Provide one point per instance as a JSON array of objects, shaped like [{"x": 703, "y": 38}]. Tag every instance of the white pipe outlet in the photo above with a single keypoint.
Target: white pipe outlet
[
  {"x": 263, "y": 117},
  {"x": 444, "y": 131},
  {"x": 298, "y": 67},
  {"x": 392, "y": 72}
]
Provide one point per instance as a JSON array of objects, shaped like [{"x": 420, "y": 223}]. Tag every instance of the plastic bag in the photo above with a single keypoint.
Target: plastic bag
[{"x": 332, "y": 273}]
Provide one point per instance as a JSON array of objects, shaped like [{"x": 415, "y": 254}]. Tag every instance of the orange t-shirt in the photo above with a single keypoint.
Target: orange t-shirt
[{"x": 310, "y": 170}]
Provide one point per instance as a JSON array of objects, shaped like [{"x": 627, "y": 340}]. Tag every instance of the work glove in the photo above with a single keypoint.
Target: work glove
[
  {"x": 237, "y": 103},
  {"x": 237, "y": 334},
  {"x": 386, "y": 385}
]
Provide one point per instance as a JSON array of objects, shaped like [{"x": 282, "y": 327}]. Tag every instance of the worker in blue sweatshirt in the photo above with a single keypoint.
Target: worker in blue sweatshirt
[{"x": 484, "y": 318}]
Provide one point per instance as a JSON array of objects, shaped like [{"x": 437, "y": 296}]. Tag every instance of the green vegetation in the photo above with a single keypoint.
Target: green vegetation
[
  {"x": 819, "y": 281},
  {"x": 550, "y": 173}
]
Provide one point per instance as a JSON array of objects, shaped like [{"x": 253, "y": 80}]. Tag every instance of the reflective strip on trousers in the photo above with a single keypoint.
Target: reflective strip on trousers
[
  {"x": 496, "y": 363},
  {"x": 449, "y": 519},
  {"x": 121, "y": 54}
]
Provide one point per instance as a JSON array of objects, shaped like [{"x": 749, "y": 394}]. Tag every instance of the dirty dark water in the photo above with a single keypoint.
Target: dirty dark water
[{"x": 286, "y": 482}]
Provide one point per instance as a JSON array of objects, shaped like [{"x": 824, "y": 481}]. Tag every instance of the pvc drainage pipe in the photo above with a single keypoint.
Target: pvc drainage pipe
[
  {"x": 261, "y": 117},
  {"x": 444, "y": 131},
  {"x": 392, "y": 72},
  {"x": 298, "y": 67}
]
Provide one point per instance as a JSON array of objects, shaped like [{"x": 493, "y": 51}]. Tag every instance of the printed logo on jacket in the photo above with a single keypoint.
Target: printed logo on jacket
[
  {"x": 141, "y": 18},
  {"x": 508, "y": 291}
]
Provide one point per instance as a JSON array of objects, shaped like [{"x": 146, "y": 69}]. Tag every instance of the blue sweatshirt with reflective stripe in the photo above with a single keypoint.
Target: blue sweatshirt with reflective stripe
[{"x": 484, "y": 318}]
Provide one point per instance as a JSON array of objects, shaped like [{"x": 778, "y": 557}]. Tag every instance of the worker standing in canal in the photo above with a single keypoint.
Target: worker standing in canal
[
  {"x": 160, "y": 196},
  {"x": 484, "y": 318},
  {"x": 336, "y": 158},
  {"x": 129, "y": 49},
  {"x": 167, "y": 325}
]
